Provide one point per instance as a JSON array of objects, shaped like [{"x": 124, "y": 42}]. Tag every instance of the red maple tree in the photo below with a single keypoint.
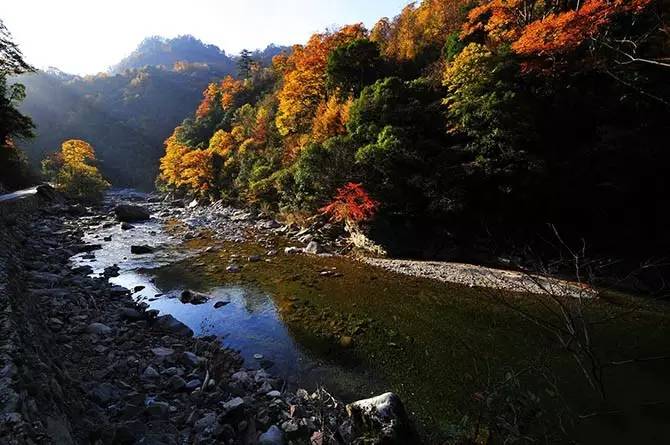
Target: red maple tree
[{"x": 351, "y": 204}]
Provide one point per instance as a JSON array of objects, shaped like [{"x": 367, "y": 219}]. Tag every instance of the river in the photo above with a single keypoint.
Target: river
[{"x": 359, "y": 330}]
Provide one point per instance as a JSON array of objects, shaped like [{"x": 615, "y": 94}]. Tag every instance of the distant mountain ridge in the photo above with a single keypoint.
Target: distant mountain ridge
[
  {"x": 161, "y": 51},
  {"x": 128, "y": 112}
]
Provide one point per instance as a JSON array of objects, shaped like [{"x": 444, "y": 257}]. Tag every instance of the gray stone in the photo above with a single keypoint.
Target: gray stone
[
  {"x": 313, "y": 248},
  {"x": 206, "y": 422},
  {"x": 99, "y": 329},
  {"x": 233, "y": 404},
  {"x": 383, "y": 416},
  {"x": 158, "y": 409},
  {"x": 193, "y": 384},
  {"x": 171, "y": 324},
  {"x": 241, "y": 377},
  {"x": 118, "y": 291},
  {"x": 233, "y": 268},
  {"x": 130, "y": 314},
  {"x": 150, "y": 373},
  {"x": 273, "y": 436},
  {"x": 176, "y": 383},
  {"x": 190, "y": 359},
  {"x": 131, "y": 213},
  {"x": 162, "y": 351}
]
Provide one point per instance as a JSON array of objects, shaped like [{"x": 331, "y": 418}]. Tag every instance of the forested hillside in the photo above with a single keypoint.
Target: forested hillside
[
  {"x": 468, "y": 118},
  {"x": 126, "y": 113}
]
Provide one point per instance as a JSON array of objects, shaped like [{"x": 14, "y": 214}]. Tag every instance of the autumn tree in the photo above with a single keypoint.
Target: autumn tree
[
  {"x": 304, "y": 86},
  {"x": 72, "y": 169}
]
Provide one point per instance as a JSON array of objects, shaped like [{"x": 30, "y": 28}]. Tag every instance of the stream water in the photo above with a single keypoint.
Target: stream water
[{"x": 364, "y": 330}]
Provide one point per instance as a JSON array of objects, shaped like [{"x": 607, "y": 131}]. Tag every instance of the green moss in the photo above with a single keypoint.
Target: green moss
[{"x": 435, "y": 344}]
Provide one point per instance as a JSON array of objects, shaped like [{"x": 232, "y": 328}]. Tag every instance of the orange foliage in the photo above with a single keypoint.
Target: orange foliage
[
  {"x": 351, "y": 204},
  {"x": 564, "y": 32},
  {"x": 304, "y": 85},
  {"x": 210, "y": 96},
  {"x": 224, "y": 93},
  {"x": 230, "y": 87},
  {"x": 536, "y": 28}
]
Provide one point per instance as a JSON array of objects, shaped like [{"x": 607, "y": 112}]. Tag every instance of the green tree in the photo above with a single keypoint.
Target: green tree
[
  {"x": 353, "y": 66},
  {"x": 13, "y": 124},
  {"x": 407, "y": 161},
  {"x": 244, "y": 64}
]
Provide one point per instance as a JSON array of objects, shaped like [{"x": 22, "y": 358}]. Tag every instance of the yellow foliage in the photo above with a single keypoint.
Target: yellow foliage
[
  {"x": 331, "y": 119},
  {"x": 73, "y": 172},
  {"x": 304, "y": 85}
]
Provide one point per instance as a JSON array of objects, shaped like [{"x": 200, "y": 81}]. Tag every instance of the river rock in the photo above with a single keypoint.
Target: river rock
[
  {"x": 273, "y": 436},
  {"x": 193, "y": 384},
  {"x": 150, "y": 373},
  {"x": 131, "y": 213},
  {"x": 169, "y": 323},
  {"x": 193, "y": 297},
  {"x": 157, "y": 409},
  {"x": 141, "y": 249},
  {"x": 219, "y": 304},
  {"x": 313, "y": 248},
  {"x": 118, "y": 291},
  {"x": 206, "y": 422},
  {"x": 241, "y": 377},
  {"x": 162, "y": 351},
  {"x": 126, "y": 226},
  {"x": 130, "y": 314},
  {"x": 190, "y": 359},
  {"x": 98, "y": 329},
  {"x": 176, "y": 383},
  {"x": 383, "y": 416},
  {"x": 233, "y": 268},
  {"x": 292, "y": 250},
  {"x": 233, "y": 404}
]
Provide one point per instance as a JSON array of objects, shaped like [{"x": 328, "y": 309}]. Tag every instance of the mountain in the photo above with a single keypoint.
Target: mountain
[
  {"x": 159, "y": 51},
  {"x": 127, "y": 113}
]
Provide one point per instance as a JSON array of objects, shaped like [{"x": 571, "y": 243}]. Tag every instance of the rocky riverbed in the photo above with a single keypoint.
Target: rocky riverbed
[{"x": 83, "y": 362}]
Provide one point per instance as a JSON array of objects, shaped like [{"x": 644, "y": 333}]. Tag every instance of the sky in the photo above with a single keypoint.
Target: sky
[{"x": 88, "y": 36}]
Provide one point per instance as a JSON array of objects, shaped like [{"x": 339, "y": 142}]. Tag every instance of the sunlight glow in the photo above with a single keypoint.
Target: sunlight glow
[{"x": 85, "y": 37}]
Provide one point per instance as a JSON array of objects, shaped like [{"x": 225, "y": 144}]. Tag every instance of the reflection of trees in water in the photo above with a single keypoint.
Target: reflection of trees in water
[{"x": 254, "y": 300}]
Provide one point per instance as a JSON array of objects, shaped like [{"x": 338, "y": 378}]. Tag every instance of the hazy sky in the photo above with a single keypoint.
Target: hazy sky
[{"x": 87, "y": 36}]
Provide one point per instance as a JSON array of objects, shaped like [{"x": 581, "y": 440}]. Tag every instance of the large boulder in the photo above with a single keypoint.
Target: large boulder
[
  {"x": 131, "y": 213},
  {"x": 383, "y": 417}
]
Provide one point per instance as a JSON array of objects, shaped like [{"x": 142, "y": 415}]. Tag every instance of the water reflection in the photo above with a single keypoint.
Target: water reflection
[{"x": 249, "y": 321}]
